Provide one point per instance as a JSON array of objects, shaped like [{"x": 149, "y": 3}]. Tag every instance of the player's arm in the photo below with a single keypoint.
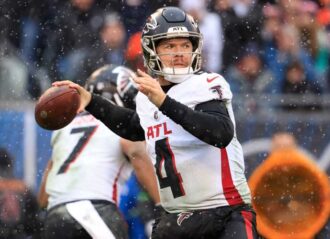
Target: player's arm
[
  {"x": 210, "y": 121},
  {"x": 143, "y": 167},
  {"x": 122, "y": 121},
  {"x": 42, "y": 195}
]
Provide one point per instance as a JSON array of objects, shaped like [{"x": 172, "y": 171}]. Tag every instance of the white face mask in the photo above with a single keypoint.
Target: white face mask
[{"x": 177, "y": 75}]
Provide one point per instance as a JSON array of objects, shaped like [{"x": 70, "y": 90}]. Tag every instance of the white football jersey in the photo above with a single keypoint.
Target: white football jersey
[
  {"x": 191, "y": 173},
  {"x": 88, "y": 163}
]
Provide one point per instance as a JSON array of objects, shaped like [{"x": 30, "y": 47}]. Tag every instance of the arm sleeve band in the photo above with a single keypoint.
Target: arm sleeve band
[
  {"x": 209, "y": 121},
  {"x": 122, "y": 121}
]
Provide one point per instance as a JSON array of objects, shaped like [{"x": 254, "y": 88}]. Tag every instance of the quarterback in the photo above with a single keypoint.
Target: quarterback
[{"x": 185, "y": 116}]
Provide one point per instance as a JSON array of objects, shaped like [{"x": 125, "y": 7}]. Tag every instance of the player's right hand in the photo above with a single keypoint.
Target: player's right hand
[
  {"x": 85, "y": 96},
  {"x": 150, "y": 87}
]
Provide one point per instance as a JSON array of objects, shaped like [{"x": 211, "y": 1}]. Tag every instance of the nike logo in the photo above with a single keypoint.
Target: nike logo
[{"x": 209, "y": 80}]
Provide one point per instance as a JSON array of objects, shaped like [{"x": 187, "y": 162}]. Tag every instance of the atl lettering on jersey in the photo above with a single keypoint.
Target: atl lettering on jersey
[{"x": 157, "y": 130}]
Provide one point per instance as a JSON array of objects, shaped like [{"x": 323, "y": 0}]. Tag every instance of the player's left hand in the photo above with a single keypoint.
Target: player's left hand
[
  {"x": 85, "y": 96},
  {"x": 150, "y": 87}
]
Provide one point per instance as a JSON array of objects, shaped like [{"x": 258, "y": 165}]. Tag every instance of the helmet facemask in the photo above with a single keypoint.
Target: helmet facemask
[
  {"x": 169, "y": 23},
  {"x": 154, "y": 63}
]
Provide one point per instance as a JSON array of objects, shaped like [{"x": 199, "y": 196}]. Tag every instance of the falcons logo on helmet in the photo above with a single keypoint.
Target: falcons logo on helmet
[{"x": 150, "y": 25}]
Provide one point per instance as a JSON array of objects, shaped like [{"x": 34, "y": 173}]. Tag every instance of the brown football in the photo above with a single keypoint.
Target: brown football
[{"x": 57, "y": 107}]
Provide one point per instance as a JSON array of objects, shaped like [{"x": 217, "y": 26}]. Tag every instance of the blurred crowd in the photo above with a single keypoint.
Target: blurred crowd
[{"x": 263, "y": 47}]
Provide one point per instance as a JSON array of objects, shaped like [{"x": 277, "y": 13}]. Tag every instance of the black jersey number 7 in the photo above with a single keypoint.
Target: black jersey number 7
[
  {"x": 165, "y": 157},
  {"x": 82, "y": 142}
]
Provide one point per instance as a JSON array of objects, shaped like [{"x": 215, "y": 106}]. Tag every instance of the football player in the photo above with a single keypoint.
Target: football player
[
  {"x": 89, "y": 165},
  {"x": 186, "y": 117}
]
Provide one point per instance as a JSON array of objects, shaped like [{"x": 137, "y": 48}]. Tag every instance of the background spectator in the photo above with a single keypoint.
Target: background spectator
[
  {"x": 13, "y": 72},
  {"x": 248, "y": 75},
  {"x": 323, "y": 18},
  {"x": 282, "y": 51},
  {"x": 241, "y": 22},
  {"x": 211, "y": 28},
  {"x": 295, "y": 83},
  {"x": 109, "y": 48},
  {"x": 72, "y": 35},
  {"x": 133, "y": 54},
  {"x": 18, "y": 205}
]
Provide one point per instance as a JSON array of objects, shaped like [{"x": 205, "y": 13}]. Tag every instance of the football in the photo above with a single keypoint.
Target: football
[{"x": 57, "y": 107}]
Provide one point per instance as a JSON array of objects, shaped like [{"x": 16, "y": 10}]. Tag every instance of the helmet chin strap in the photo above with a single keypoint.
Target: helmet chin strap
[{"x": 177, "y": 75}]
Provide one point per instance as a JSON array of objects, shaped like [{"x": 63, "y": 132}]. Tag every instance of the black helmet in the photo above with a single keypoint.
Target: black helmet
[
  {"x": 165, "y": 23},
  {"x": 115, "y": 83}
]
